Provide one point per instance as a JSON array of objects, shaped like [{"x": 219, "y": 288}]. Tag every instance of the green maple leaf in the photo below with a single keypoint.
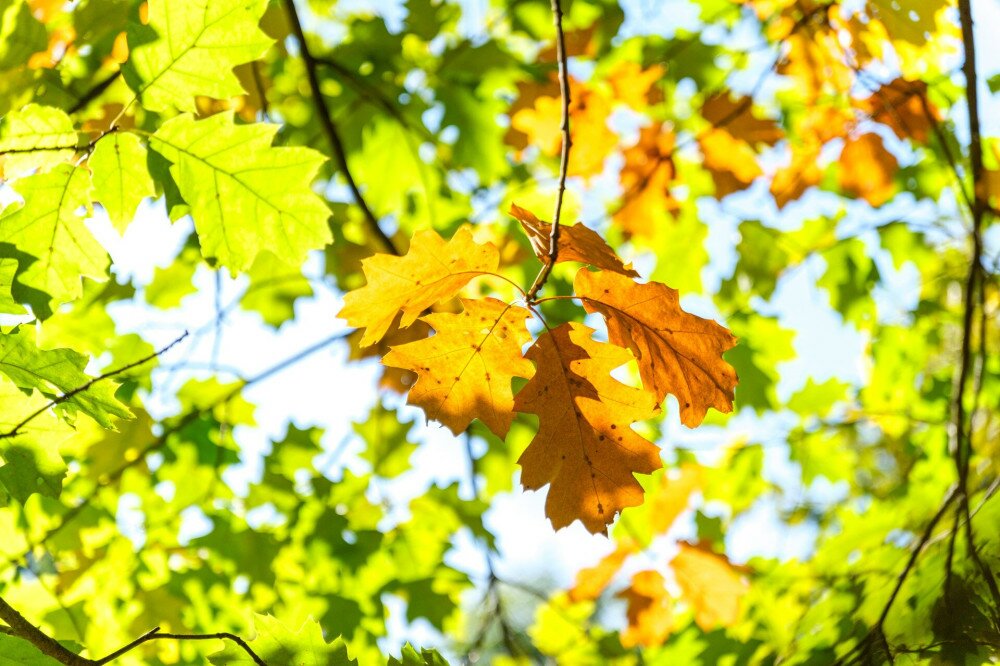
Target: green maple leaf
[
  {"x": 245, "y": 195},
  {"x": 46, "y": 135},
  {"x": 277, "y": 644},
  {"x": 121, "y": 179},
  {"x": 58, "y": 371},
  {"x": 47, "y": 228},
  {"x": 190, "y": 48}
]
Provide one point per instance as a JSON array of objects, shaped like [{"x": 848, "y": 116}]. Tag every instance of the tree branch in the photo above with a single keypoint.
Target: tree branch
[
  {"x": 155, "y": 634},
  {"x": 330, "y": 130},
  {"x": 13, "y": 432},
  {"x": 47, "y": 645},
  {"x": 567, "y": 144},
  {"x": 92, "y": 94}
]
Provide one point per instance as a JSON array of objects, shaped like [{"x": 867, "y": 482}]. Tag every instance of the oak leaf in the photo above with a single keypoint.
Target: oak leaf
[
  {"x": 731, "y": 161},
  {"x": 678, "y": 353},
  {"x": 585, "y": 448},
  {"x": 433, "y": 270},
  {"x": 592, "y": 581},
  {"x": 646, "y": 178},
  {"x": 649, "y": 612},
  {"x": 902, "y": 106},
  {"x": 867, "y": 169},
  {"x": 635, "y": 86},
  {"x": 464, "y": 370},
  {"x": 576, "y": 243},
  {"x": 710, "y": 584},
  {"x": 394, "y": 379},
  {"x": 735, "y": 115}
]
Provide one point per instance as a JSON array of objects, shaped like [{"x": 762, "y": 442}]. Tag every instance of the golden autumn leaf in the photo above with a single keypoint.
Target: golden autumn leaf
[
  {"x": 576, "y": 243},
  {"x": 731, "y": 161},
  {"x": 585, "y": 448},
  {"x": 791, "y": 182},
  {"x": 646, "y": 178},
  {"x": 735, "y": 115},
  {"x": 867, "y": 169},
  {"x": 635, "y": 86},
  {"x": 465, "y": 369},
  {"x": 678, "y": 353},
  {"x": 710, "y": 584},
  {"x": 900, "y": 105},
  {"x": 649, "y": 610},
  {"x": 589, "y": 110},
  {"x": 433, "y": 270},
  {"x": 668, "y": 501},
  {"x": 591, "y": 582},
  {"x": 815, "y": 61}
]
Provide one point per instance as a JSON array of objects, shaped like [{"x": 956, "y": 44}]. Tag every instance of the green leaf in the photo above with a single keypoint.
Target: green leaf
[
  {"x": 36, "y": 137},
  {"x": 16, "y": 651},
  {"x": 47, "y": 228},
  {"x": 277, "y": 644},
  {"x": 268, "y": 202},
  {"x": 8, "y": 267},
  {"x": 170, "y": 285},
  {"x": 274, "y": 288},
  {"x": 121, "y": 178},
  {"x": 58, "y": 371},
  {"x": 190, "y": 48},
  {"x": 410, "y": 657},
  {"x": 388, "y": 449},
  {"x": 31, "y": 468},
  {"x": 20, "y": 34}
]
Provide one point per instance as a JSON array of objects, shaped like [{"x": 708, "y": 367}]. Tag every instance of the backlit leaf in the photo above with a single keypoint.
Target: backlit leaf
[
  {"x": 710, "y": 584},
  {"x": 121, "y": 179},
  {"x": 649, "y": 611}
]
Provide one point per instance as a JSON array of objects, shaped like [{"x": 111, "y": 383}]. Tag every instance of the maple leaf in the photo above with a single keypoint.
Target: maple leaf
[
  {"x": 576, "y": 243},
  {"x": 464, "y": 371},
  {"x": 585, "y": 448},
  {"x": 646, "y": 178},
  {"x": 677, "y": 352},
  {"x": 710, "y": 584},
  {"x": 432, "y": 271},
  {"x": 650, "y": 618},
  {"x": 867, "y": 169}
]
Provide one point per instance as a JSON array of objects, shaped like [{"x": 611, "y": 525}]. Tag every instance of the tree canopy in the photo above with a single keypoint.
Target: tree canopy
[{"x": 702, "y": 292}]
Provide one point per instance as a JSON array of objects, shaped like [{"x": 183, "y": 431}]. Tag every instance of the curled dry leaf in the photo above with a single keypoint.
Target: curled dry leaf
[
  {"x": 585, "y": 448},
  {"x": 433, "y": 270},
  {"x": 465, "y": 369},
  {"x": 678, "y": 353},
  {"x": 576, "y": 243}
]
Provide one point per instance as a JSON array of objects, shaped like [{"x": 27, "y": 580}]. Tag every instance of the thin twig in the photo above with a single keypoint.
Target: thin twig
[
  {"x": 13, "y": 432},
  {"x": 332, "y": 135},
  {"x": 155, "y": 634},
  {"x": 92, "y": 94},
  {"x": 47, "y": 645},
  {"x": 567, "y": 144}
]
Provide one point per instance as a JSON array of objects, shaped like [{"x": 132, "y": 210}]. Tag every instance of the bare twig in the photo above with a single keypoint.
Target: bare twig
[
  {"x": 47, "y": 645},
  {"x": 156, "y": 634},
  {"x": 13, "y": 432},
  {"x": 567, "y": 144},
  {"x": 96, "y": 91},
  {"x": 330, "y": 130}
]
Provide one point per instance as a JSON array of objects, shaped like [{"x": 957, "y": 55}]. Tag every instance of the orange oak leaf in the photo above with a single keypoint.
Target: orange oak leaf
[
  {"x": 900, "y": 105},
  {"x": 670, "y": 499},
  {"x": 585, "y": 448},
  {"x": 465, "y": 369},
  {"x": 731, "y": 161},
  {"x": 710, "y": 584},
  {"x": 645, "y": 179},
  {"x": 736, "y": 116},
  {"x": 592, "y": 581},
  {"x": 791, "y": 182},
  {"x": 678, "y": 353},
  {"x": 814, "y": 60},
  {"x": 433, "y": 270},
  {"x": 649, "y": 610},
  {"x": 576, "y": 243},
  {"x": 867, "y": 169}
]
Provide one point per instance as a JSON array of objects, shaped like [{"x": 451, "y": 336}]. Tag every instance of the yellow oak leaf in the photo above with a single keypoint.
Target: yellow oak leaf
[
  {"x": 465, "y": 369},
  {"x": 646, "y": 178},
  {"x": 395, "y": 379},
  {"x": 731, "y": 161},
  {"x": 591, "y": 582},
  {"x": 585, "y": 448},
  {"x": 816, "y": 63},
  {"x": 736, "y": 116},
  {"x": 791, "y": 182},
  {"x": 867, "y": 169},
  {"x": 670, "y": 499},
  {"x": 649, "y": 611},
  {"x": 710, "y": 584},
  {"x": 635, "y": 86},
  {"x": 433, "y": 270},
  {"x": 576, "y": 243},
  {"x": 678, "y": 353}
]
